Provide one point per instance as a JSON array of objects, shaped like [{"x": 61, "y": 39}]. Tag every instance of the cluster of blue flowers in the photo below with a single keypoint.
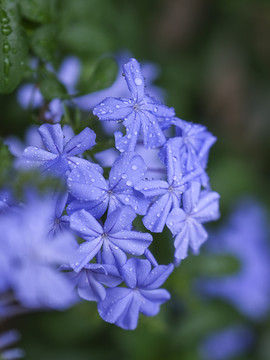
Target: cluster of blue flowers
[{"x": 81, "y": 243}]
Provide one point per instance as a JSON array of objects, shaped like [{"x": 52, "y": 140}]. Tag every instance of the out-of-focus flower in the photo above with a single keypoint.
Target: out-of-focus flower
[
  {"x": 7, "y": 339},
  {"x": 245, "y": 237},
  {"x": 32, "y": 258},
  {"x": 227, "y": 343}
]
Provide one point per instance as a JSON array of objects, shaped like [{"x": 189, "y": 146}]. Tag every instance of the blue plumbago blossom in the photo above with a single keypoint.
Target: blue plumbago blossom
[
  {"x": 227, "y": 343},
  {"x": 90, "y": 279},
  {"x": 245, "y": 237},
  {"x": 59, "y": 155},
  {"x": 114, "y": 239},
  {"x": 119, "y": 89},
  {"x": 58, "y": 221},
  {"x": 95, "y": 194},
  {"x": 33, "y": 257},
  {"x": 165, "y": 195},
  {"x": 186, "y": 224},
  {"x": 122, "y": 306},
  {"x": 191, "y": 146},
  {"x": 8, "y": 339},
  {"x": 141, "y": 112}
]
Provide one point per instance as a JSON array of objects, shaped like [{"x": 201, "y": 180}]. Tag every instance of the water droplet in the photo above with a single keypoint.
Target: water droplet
[
  {"x": 6, "y": 30},
  {"x": 6, "y": 47},
  {"x": 134, "y": 167},
  {"x": 138, "y": 81},
  {"x": 7, "y": 65},
  {"x": 129, "y": 183}
]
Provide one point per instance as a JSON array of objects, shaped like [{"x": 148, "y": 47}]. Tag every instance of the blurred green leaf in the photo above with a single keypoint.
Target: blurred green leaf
[
  {"x": 51, "y": 88},
  {"x": 6, "y": 162},
  {"x": 37, "y": 10},
  {"x": 85, "y": 39},
  {"x": 43, "y": 41},
  {"x": 13, "y": 47},
  {"x": 98, "y": 75}
]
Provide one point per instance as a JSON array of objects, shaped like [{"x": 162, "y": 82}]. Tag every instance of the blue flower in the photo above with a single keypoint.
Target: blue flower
[
  {"x": 244, "y": 237},
  {"x": 227, "y": 343},
  {"x": 33, "y": 257},
  {"x": 6, "y": 340},
  {"x": 186, "y": 224},
  {"x": 90, "y": 279},
  {"x": 114, "y": 240},
  {"x": 123, "y": 305},
  {"x": 59, "y": 155},
  {"x": 95, "y": 194},
  {"x": 141, "y": 112},
  {"x": 165, "y": 196}
]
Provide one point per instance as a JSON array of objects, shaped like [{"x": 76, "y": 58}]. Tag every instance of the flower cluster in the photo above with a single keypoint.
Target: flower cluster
[{"x": 111, "y": 262}]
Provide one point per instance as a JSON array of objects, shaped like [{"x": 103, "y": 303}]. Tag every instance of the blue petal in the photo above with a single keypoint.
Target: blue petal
[
  {"x": 126, "y": 171},
  {"x": 197, "y": 235},
  {"x": 176, "y": 220},
  {"x": 96, "y": 207},
  {"x": 157, "y": 277},
  {"x": 87, "y": 184},
  {"x": 85, "y": 253},
  {"x": 207, "y": 208},
  {"x": 120, "y": 219},
  {"x": 181, "y": 244},
  {"x": 52, "y": 137},
  {"x": 115, "y": 304},
  {"x": 157, "y": 214},
  {"x": 33, "y": 157},
  {"x": 191, "y": 196},
  {"x": 152, "y": 133},
  {"x": 157, "y": 109},
  {"x": 152, "y": 188},
  {"x": 151, "y": 301},
  {"x": 128, "y": 142},
  {"x": 113, "y": 109},
  {"x": 129, "y": 318},
  {"x": 131, "y": 242},
  {"x": 136, "y": 200},
  {"x": 134, "y": 79},
  {"x": 86, "y": 225},
  {"x": 89, "y": 288},
  {"x": 81, "y": 142}
]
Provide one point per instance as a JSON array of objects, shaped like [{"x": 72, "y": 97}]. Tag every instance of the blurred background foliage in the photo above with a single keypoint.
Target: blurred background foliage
[{"x": 214, "y": 59}]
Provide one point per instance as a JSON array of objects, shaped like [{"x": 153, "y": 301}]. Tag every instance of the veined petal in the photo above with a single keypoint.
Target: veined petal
[
  {"x": 120, "y": 219},
  {"x": 157, "y": 277},
  {"x": 33, "y": 157},
  {"x": 95, "y": 207},
  {"x": 207, "y": 208},
  {"x": 115, "y": 303},
  {"x": 85, "y": 225},
  {"x": 52, "y": 137},
  {"x": 126, "y": 171},
  {"x": 151, "y": 188},
  {"x": 176, "y": 220},
  {"x": 85, "y": 253},
  {"x": 151, "y": 301},
  {"x": 128, "y": 142},
  {"x": 157, "y": 109},
  {"x": 81, "y": 142},
  {"x": 191, "y": 196},
  {"x": 134, "y": 79},
  {"x": 157, "y": 214},
  {"x": 131, "y": 242},
  {"x": 152, "y": 133},
  {"x": 113, "y": 109},
  {"x": 181, "y": 244},
  {"x": 87, "y": 184},
  {"x": 197, "y": 235}
]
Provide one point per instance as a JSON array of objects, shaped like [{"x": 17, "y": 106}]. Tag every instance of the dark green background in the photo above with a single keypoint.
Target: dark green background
[{"x": 214, "y": 58}]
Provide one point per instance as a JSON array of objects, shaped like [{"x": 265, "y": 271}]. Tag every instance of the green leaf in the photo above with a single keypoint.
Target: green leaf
[
  {"x": 13, "y": 47},
  {"x": 85, "y": 39},
  {"x": 43, "y": 42},
  {"x": 51, "y": 88},
  {"x": 6, "y": 162},
  {"x": 97, "y": 76},
  {"x": 37, "y": 10}
]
